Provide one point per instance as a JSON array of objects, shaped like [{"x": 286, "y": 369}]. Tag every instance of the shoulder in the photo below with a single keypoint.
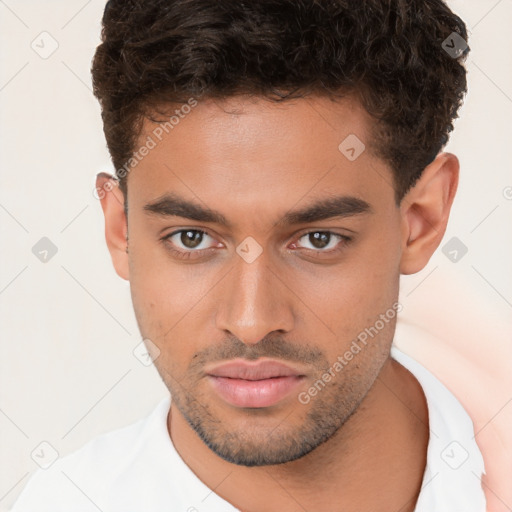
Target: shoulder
[
  {"x": 454, "y": 462},
  {"x": 82, "y": 478}
]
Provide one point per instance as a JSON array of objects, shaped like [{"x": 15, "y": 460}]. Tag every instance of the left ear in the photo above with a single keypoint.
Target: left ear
[{"x": 425, "y": 210}]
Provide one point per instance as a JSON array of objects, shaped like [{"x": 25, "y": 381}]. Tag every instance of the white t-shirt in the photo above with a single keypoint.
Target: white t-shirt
[{"x": 136, "y": 468}]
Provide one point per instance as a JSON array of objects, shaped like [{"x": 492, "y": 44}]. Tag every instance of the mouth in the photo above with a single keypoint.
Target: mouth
[{"x": 254, "y": 384}]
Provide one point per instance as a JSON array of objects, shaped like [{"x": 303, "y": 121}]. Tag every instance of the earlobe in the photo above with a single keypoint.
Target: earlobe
[
  {"x": 425, "y": 210},
  {"x": 116, "y": 228}
]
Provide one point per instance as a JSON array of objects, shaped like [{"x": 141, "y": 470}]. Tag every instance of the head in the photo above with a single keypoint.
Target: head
[{"x": 278, "y": 167}]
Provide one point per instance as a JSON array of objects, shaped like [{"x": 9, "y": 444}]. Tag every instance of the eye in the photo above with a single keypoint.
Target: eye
[
  {"x": 324, "y": 241},
  {"x": 189, "y": 238},
  {"x": 193, "y": 243},
  {"x": 185, "y": 243}
]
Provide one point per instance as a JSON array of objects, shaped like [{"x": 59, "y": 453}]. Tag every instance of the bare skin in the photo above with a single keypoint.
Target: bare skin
[{"x": 360, "y": 443}]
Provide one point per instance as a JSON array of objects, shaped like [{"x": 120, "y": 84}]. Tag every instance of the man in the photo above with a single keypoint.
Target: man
[{"x": 278, "y": 167}]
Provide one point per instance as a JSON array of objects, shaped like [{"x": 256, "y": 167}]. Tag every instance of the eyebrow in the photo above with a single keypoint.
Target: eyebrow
[{"x": 171, "y": 205}]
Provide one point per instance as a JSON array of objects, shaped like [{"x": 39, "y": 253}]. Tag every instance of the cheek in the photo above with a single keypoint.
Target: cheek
[
  {"x": 164, "y": 318},
  {"x": 352, "y": 295},
  {"x": 169, "y": 301},
  {"x": 165, "y": 299},
  {"x": 160, "y": 288}
]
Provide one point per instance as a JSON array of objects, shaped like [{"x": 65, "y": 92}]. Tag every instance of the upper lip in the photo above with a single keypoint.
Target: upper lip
[{"x": 252, "y": 370}]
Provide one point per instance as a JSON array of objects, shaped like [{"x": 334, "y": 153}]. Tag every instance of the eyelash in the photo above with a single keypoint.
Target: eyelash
[{"x": 190, "y": 254}]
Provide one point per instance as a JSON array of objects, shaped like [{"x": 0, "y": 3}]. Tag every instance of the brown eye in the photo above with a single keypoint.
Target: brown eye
[
  {"x": 319, "y": 239},
  {"x": 191, "y": 239},
  {"x": 323, "y": 241},
  {"x": 189, "y": 242}
]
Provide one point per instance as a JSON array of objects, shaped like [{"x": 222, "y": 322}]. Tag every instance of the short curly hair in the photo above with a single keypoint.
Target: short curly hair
[{"x": 390, "y": 53}]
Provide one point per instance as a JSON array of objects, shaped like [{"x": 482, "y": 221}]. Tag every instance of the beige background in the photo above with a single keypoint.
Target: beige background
[{"x": 67, "y": 371}]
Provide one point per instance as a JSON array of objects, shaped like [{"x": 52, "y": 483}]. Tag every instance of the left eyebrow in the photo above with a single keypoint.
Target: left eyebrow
[{"x": 331, "y": 207}]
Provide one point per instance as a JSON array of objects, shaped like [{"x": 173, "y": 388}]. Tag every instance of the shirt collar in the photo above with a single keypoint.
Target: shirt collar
[{"x": 452, "y": 479}]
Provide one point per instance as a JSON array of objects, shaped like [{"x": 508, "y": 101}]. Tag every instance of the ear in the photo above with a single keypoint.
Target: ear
[
  {"x": 116, "y": 228},
  {"x": 425, "y": 210}
]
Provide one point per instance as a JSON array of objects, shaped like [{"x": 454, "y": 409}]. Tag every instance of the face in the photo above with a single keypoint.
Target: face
[{"x": 253, "y": 240}]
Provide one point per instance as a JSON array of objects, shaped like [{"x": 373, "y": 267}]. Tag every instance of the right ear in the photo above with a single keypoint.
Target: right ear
[{"x": 116, "y": 227}]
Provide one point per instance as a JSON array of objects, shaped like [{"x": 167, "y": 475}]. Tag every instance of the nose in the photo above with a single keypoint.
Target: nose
[{"x": 254, "y": 302}]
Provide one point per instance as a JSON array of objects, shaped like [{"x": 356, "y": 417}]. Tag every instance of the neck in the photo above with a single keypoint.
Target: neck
[{"x": 375, "y": 461}]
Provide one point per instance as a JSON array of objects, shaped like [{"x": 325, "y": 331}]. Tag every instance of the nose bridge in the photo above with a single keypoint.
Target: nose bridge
[{"x": 253, "y": 301}]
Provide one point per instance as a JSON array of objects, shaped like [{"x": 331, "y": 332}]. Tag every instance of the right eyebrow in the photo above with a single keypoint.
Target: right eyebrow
[{"x": 172, "y": 205}]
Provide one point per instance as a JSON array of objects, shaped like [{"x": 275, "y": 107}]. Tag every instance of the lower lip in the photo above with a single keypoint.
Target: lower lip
[{"x": 255, "y": 393}]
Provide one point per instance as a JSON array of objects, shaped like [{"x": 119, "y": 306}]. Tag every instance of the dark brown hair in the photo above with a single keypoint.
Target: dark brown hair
[{"x": 388, "y": 52}]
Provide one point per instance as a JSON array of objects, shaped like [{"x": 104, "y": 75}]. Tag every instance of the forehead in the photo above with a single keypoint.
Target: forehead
[{"x": 250, "y": 154}]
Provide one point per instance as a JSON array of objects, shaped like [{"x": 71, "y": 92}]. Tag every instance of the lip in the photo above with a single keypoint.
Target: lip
[
  {"x": 254, "y": 384},
  {"x": 252, "y": 370}
]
